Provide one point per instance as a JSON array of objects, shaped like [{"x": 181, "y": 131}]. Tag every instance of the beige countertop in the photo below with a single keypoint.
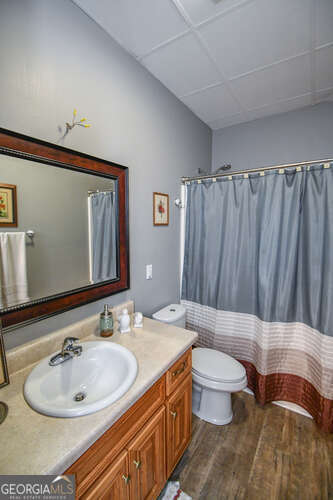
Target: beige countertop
[{"x": 32, "y": 443}]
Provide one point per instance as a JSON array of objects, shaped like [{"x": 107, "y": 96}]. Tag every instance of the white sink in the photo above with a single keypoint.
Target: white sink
[{"x": 102, "y": 374}]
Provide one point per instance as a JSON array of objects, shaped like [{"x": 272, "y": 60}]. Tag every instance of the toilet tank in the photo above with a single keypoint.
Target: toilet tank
[{"x": 174, "y": 314}]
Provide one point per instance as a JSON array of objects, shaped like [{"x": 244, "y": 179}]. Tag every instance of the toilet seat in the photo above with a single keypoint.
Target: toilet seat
[
  {"x": 217, "y": 380},
  {"x": 216, "y": 366},
  {"x": 219, "y": 386}
]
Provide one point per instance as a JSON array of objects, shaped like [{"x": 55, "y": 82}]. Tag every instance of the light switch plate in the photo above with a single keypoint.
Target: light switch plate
[{"x": 149, "y": 271}]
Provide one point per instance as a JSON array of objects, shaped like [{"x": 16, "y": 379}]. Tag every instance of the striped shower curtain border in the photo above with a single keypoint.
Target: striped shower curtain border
[{"x": 284, "y": 361}]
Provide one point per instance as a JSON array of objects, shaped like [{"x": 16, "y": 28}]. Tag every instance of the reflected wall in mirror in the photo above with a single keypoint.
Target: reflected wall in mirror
[
  {"x": 73, "y": 216},
  {"x": 71, "y": 232}
]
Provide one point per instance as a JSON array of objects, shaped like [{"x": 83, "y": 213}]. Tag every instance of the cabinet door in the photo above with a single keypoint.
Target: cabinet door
[
  {"x": 106, "y": 449},
  {"x": 113, "y": 484},
  {"x": 147, "y": 459},
  {"x": 179, "y": 422}
]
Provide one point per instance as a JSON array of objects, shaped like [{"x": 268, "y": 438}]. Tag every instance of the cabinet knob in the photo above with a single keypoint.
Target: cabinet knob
[
  {"x": 137, "y": 464},
  {"x": 126, "y": 478},
  {"x": 180, "y": 370},
  {"x": 173, "y": 413}
]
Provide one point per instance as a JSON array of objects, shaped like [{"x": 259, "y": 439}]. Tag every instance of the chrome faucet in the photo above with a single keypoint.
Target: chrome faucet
[{"x": 69, "y": 350}]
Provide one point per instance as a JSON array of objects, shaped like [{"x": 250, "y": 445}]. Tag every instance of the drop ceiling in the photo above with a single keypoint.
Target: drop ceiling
[{"x": 229, "y": 61}]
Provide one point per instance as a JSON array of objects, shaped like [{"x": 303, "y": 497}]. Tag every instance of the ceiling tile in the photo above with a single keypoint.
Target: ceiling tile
[
  {"x": 228, "y": 121},
  {"x": 182, "y": 66},
  {"x": 138, "y": 26},
  {"x": 201, "y": 10},
  {"x": 281, "y": 107},
  {"x": 324, "y": 68},
  {"x": 212, "y": 103},
  {"x": 278, "y": 82},
  {"x": 324, "y": 22},
  {"x": 248, "y": 39},
  {"x": 258, "y": 34}
]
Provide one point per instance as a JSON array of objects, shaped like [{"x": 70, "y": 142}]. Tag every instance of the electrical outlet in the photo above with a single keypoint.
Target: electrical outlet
[{"x": 149, "y": 271}]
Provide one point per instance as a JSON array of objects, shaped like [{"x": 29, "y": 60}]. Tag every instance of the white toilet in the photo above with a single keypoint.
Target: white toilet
[{"x": 215, "y": 375}]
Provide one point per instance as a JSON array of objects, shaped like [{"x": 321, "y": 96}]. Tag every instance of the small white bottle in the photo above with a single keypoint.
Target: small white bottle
[
  {"x": 124, "y": 322},
  {"x": 138, "y": 320}
]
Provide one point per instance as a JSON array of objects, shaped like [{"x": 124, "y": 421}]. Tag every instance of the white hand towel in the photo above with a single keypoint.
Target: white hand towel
[{"x": 13, "y": 269}]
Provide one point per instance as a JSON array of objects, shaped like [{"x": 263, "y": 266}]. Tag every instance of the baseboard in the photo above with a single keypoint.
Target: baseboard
[{"x": 285, "y": 404}]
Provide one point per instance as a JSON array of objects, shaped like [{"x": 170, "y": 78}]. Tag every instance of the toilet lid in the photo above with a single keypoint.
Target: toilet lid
[
  {"x": 170, "y": 314},
  {"x": 216, "y": 365}
]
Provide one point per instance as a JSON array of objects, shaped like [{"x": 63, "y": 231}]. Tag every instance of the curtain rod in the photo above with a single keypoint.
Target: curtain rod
[
  {"x": 97, "y": 191},
  {"x": 239, "y": 172}
]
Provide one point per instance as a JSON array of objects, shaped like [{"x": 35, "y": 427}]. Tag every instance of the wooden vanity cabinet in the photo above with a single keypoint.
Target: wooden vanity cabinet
[
  {"x": 178, "y": 372},
  {"x": 139, "y": 471},
  {"x": 179, "y": 422},
  {"x": 134, "y": 457},
  {"x": 147, "y": 459},
  {"x": 113, "y": 483}
]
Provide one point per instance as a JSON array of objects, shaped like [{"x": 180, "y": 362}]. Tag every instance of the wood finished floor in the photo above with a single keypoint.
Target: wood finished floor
[{"x": 266, "y": 453}]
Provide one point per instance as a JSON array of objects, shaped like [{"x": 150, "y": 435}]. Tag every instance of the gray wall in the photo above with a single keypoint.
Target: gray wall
[
  {"x": 54, "y": 58},
  {"x": 302, "y": 135},
  {"x": 53, "y": 202}
]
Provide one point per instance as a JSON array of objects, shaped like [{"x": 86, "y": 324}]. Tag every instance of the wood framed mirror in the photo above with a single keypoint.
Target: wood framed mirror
[{"x": 70, "y": 244}]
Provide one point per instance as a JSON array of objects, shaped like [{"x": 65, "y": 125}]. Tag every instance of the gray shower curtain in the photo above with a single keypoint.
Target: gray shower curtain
[
  {"x": 258, "y": 279},
  {"x": 104, "y": 236}
]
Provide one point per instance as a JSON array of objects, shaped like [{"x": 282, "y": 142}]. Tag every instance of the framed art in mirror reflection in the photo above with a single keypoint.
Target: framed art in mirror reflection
[{"x": 8, "y": 205}]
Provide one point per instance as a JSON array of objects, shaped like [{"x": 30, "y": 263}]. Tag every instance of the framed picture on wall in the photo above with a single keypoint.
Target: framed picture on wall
[
  {"x": 160, "y": 209},
  {"x": 4, "y": 379},
  {"x": 8, "y": 205}
]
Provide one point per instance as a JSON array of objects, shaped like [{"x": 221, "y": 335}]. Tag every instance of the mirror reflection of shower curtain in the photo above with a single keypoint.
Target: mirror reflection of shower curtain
[{"x": 103, "y": 236}]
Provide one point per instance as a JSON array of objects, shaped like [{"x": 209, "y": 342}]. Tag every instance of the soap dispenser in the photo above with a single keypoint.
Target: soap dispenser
[
  {"x": 124, "y": 322},
  {"x": 106, "y": 322}
]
